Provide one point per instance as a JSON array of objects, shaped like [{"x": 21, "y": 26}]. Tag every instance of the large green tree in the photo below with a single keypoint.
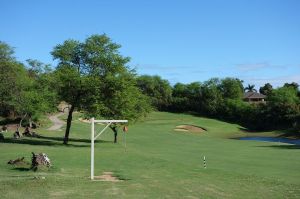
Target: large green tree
[
  {"x": 231, "y": 88},
  {"x": 23, "y": 89},
  {"x": 211, "y": 97},
  {"x": 186, "y": 97},
  {"x": 42, "y": 90},
  {"x": 266, "y": 89},
  {"x": 14, "y": 82},
  {"x": 94, "y": 77},
  {"x": 293, "y": 85},
  {"x": 283, "y": 106},
  {"x": 158, "y": 89}
]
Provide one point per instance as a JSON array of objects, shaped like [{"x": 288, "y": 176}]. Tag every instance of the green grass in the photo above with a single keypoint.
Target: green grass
[{"x": 159, "y": 163}]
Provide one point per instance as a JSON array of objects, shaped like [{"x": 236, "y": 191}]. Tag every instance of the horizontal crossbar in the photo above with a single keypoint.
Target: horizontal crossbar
[{"x": 110, "y": 121}]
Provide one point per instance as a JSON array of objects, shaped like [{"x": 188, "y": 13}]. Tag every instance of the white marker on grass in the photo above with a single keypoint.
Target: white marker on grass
[{"x": 204, "y": 162}]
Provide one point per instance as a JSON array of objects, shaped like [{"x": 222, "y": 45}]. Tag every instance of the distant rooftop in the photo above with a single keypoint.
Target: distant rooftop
[{"x": 253, "y": 95}]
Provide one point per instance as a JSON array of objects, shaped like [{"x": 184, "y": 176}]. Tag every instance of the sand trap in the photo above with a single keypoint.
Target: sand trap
[
  {"x": 108, "y": 177},
  {"x": 189, "y": 128}
]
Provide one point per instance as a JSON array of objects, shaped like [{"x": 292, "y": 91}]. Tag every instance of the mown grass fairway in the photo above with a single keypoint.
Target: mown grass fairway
[{"x": 159, "y": 163}]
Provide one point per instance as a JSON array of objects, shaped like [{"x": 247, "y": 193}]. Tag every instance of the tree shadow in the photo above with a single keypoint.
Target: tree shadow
[
  {"x": 83, "y": 140},
  {"x": 21, "y": 169},
  {"x": 246, "y": 130},
  {"x": 281, "y": 133},
  {"x": 7, "y": 121},
  {"x": 117, "y": 174},
  {"x": 291, "y": 134},
  {"x": 52, "y": 141},
  {"x": 121, "y": 177},
  {"x": 39, "y": 142},
  {"x": 282, "y": 146}
]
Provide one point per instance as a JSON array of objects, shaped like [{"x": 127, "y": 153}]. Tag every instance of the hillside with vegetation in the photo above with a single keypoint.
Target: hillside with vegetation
[{"x": 93, "y": 77}]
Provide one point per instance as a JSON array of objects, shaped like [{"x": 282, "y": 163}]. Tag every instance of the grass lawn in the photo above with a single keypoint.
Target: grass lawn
[{"x": 159, "y": 163}]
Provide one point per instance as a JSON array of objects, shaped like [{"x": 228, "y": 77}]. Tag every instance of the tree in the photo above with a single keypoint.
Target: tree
[
  {"x": 186, "y": 97},
  {"x": 180, "y": 100},
  {"x": 13, "y": 82},
  {"x": 250, "y": 88},
  {"x": 22, "y": 93},
  {"x": 6, "y": 52},
  {"x": 92, "y": 76},
  {"x": 194, "y": 95},
  {"x": 231, "y": 88},
  {"x": 43, "y": 88},
  {"x": 283, "y": 106},
  {"x": 211, "y": 97},
  {"x": 293, "y": 85},
  {"x": 266, "y": 89},
  {"x": 158, "y": 89}
]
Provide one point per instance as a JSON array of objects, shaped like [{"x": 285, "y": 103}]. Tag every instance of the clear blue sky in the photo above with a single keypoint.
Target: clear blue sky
[{"x": 182, "y": 41}]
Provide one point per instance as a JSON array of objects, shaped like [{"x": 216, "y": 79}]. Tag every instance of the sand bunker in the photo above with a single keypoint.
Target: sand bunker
[
  {"x": 108, "y": 177},
  {"x": 189, "y": 128}
]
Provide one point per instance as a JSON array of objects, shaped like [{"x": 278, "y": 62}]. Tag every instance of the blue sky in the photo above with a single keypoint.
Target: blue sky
[{"x": 182, "y": 41}]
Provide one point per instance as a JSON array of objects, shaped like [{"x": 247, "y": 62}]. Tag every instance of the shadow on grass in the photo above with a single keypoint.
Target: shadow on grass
[
  {"x": 119, "y": 176},
  {"x": 246, "y": 130},
  {"x": 73, "y": 139},
  {"x": 21, "y": 169},
  {"x": 284, "y": 133},
  {"x": 7, "y": 121},
  {"x": 283, "y": 146},
  {"x": 52, "y": 141}
]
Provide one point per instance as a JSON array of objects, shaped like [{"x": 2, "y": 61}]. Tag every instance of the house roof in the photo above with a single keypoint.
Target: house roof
[{"x": 253, "y": 95}]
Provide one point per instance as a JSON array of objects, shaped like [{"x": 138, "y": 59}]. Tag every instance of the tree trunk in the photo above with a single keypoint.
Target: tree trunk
[
  {"x": 20, "y": 123},
  {"x": 69, "y": 121}
]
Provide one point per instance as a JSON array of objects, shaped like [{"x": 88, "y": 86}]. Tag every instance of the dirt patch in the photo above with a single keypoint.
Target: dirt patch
[
  {"x": 107, "y": 176},
  {"x": 190, "y": 128},
  {"x": 57, "y": 123}
]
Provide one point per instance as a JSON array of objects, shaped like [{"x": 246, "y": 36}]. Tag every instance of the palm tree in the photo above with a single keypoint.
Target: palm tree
[{"x": 250, "y": 88}]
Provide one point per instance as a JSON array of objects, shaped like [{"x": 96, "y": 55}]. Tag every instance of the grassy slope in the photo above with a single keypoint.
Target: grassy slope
[{"x": 159, "y": 163}]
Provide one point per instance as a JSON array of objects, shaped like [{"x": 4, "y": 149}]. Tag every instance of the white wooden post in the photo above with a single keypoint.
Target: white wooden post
[
  {"x": 92, "y": 148},
  {"x": 93, "y": 138}
]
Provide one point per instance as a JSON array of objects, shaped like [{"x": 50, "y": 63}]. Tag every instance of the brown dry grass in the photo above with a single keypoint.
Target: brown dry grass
[{"x": 107, "y": 176}]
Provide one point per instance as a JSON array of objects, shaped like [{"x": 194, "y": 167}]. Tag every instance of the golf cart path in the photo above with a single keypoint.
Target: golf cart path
[{"x": 57, "y": 123}]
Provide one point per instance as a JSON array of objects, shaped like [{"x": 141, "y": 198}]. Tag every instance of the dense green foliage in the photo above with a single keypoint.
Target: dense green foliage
[
  {"x": 223, "y": 99},
  {"x": 266, "y": 89},
  {"x": 25, "y": 91},
  {"x": 92, "y": 76},
  {"x": 158, "y": 90}
]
